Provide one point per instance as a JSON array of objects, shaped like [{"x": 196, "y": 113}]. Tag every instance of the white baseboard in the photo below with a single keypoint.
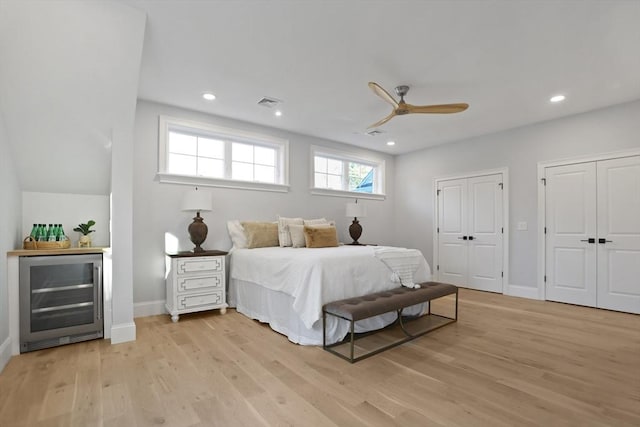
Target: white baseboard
[
  {"x": 149, "y": 308},
  {"x": 5, "y": 353},
  {"x": 123, "y": 332},
  {"x": 523, "y": 291}
]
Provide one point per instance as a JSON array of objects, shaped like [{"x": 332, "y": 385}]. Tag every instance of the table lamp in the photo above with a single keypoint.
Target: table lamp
[
  {"x": 198, "y": 201},
  {"x": 355, "y": 210}
]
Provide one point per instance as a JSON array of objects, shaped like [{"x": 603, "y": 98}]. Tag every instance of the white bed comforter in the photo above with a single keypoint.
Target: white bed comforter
[{"x": 314, "y": 277}]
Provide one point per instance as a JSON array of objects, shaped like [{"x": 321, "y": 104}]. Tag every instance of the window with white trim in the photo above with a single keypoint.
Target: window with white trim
[
  {"x": 336, "y": 171},
  {"x": 200, "y": 153}
]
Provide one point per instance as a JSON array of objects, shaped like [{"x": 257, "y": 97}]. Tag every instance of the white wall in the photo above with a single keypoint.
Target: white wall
[
  {"x": 156, "y": 206},
  {"x": 68, "y": 210},
  {"x": 10, "y": 210},
  {"x": 612, "y": 129}
]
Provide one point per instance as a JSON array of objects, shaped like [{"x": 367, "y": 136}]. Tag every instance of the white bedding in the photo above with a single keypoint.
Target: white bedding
[{"x": 313, "y": 277}]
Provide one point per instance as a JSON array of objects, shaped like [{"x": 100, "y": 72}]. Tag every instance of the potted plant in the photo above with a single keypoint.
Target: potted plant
[{"x": 85, "y": 229}]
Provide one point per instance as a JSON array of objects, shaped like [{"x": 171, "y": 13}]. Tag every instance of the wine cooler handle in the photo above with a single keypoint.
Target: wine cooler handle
[{"x": 98, "y": 273}]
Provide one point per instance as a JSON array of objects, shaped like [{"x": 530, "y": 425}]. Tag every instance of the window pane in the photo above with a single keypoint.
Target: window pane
[
  {"x": 265, "y": 156},
  {"x": 361, "y": 178},
  {"x": 334, "y": 166},
  {"x": 334, "y": 182},
  {"x": 213, "y": 168},
  {"x": 265, "y": 174},
  {"x": 320, "y": 180},
  {"x": 182, "y": 144},
  {"x": 181, "y": 165},
  {"x": 242, "y": 171},
  {"x": 211, "y": 148},
  {"x": 242, "y": 152},
  {"x": 320, "y": 164}
]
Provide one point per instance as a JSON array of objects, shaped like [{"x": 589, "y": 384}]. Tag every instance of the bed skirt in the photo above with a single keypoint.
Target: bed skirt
[{"x": 276, "y": 309}]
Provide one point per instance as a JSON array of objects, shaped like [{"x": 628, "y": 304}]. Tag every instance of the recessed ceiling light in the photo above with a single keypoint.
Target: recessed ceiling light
[
  {"x": 391, "y": 143},
  {"x": 208, "y": 96},
  {"x": 557, "y": 98},
  {"x": 278, "y": 113}
]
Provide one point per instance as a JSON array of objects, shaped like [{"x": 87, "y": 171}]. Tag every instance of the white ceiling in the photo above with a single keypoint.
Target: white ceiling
[
  {"x": 70, "y": 71},
  {"x": 503, "y": 58}
]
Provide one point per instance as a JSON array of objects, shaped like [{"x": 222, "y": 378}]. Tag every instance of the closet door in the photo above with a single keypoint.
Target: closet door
[
  {"x": 571, "y": 223},
  {"x": 485, "y": 233},
  {"x": 452, "y": 225},
  {"x": 470, "y": 232},
  {"x": 619, "y": 234}
]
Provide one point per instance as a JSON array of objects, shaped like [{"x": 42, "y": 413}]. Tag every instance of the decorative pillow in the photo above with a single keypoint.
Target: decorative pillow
[
  {"x": 320, "y": 237},
  {"x": 260, "y": 234},
  {"x": 318, "y": 221},
  {"x": 236, "y": 233},
  {"x": 297, "y": 234},
  {"x": 284, "y": 235}
]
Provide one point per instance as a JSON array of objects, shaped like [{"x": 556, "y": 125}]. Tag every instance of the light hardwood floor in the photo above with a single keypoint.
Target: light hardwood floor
[{"x": 507, "y": 362}]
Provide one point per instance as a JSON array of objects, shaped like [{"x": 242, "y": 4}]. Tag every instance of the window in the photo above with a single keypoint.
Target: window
[
  {"x": 204, "y": 154},
  {"x": 335, "y": 172}
]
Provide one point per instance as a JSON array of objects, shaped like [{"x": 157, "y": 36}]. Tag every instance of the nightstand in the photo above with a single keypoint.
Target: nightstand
[{"x": 195, "y": 282}]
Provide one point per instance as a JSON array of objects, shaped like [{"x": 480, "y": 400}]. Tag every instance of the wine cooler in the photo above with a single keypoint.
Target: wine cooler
[{"x": 60, "y": 300}]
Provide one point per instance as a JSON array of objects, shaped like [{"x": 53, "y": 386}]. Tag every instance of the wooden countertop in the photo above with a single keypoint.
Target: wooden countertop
[{"x": 69, "y": 251}]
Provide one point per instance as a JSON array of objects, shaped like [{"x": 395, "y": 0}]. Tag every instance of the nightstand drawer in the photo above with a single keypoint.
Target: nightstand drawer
[
  {"x": 200, "y": 264},
  {"x": 200, "y": 300},
  {"x": 186, "y": 284}
]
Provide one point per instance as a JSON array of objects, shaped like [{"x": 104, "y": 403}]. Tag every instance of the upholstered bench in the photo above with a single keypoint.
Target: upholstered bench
[{"x": 363, "y": 307}]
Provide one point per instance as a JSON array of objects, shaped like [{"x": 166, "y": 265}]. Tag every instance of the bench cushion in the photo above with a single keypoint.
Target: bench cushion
[{"x": 366, "y": 306}]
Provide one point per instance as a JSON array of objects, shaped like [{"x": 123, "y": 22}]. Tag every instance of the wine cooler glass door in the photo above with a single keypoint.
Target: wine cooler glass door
[{"x": 60, "y": 298}]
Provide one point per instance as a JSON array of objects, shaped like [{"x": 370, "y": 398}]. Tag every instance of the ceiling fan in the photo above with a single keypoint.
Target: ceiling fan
[{"x": 402, "y": 108}]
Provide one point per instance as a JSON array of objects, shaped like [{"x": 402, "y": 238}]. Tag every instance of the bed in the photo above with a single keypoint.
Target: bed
[{"x": 287, "y": 287}]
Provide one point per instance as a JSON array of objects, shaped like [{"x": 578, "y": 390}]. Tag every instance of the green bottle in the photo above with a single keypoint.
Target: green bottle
[{"x": 34, "y": 232}]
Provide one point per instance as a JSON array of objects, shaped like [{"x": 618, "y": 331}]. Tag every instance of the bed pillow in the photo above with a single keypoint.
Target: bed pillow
[
  {"x": 284, "y": 235},
  {"x": 236, "y": 233},
  {"x": 260, "y": 234},
  {"x": 320, "y": 237}
]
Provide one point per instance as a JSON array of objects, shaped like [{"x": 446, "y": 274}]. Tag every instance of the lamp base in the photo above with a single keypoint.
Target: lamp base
[
  {"x": 355, "y": 231},
  {"x": 198, "y": 232}
]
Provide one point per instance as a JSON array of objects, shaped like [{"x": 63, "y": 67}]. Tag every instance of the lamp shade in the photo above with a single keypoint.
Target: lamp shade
[
  {"x": 196, "y": 200},
  {"x": 356, "y": 210}
]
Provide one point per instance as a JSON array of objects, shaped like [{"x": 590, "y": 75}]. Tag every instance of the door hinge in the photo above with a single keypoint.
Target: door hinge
[
  {"x": 438, "y": 193},
  {"x": 501, "y": 185},
  {"x": 545, "y": 279},
  {"x": 438, "y": 267},
  {"x": 438, "y": 229},
  {"x": 502, "y": 230},
  {"x": 544, "y": 181},
  {"x": 545, "y": 230},
  {"x": 502, "y": 274}
]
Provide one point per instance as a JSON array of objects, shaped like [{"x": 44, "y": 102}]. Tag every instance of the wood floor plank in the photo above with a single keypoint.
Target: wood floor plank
[{"x": 506, "y": 362}]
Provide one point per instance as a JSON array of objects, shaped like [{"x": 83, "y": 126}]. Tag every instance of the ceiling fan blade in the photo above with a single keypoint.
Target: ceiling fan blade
[
  {"x": 437, "y": 109},
  {"x": 377, "y": 89},
  {"x": 383, "y": 121}
]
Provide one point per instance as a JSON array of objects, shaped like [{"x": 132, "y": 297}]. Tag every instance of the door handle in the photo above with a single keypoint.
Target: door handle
[
  {"x": 462, "y": 238},
  {"x": 471, "y": 237},
  {"x": 590, "y": 240},
  {"x": 603, "y": 241}
]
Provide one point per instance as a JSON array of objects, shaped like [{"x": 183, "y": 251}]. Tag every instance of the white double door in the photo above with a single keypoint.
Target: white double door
[
  {"x": 470, "y": 232},
  {"x": 592, "y": 249}
]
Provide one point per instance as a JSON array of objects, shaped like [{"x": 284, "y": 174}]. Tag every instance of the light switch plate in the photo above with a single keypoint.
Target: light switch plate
[{"x": 522, "y": 225}]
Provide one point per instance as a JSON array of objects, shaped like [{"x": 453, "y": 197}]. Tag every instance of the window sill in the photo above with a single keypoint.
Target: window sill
[
  {"x": 348, "y": 194},
  {"x": 222, "y": 183}
]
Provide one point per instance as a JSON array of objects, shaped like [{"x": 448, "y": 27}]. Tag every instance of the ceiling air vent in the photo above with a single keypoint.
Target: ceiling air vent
[
  {"x": 269, "y": 102},
  {"x": 374, "y": 132}
]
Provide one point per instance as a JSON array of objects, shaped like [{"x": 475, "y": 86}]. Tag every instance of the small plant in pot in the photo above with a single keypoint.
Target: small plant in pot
[{"x": 85, "y": 229}]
